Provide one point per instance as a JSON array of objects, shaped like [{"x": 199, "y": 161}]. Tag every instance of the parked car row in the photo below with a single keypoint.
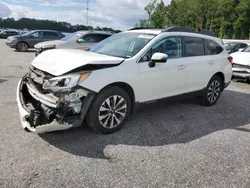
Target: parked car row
[
  {"x": 43, "y": 40},
  {"x": 103, "y": 86},
  {"x": 79, "y": 40},
  {"x": 28, "y": 40}
]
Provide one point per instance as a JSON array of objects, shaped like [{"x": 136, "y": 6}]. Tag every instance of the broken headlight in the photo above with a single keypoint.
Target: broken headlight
[{"x": 64, "y": 83}]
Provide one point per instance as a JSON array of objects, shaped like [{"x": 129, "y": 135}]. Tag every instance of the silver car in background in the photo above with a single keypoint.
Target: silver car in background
[{"x": 79, "y": 40}]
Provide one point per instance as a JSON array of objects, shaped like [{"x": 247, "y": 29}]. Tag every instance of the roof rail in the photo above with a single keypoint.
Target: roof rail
[
  {"x": 184, "y": 29},
  {"x": 206, "y": 32},
  {"x": 138, "y": 28},
  {"x": 177, "y": 29}
]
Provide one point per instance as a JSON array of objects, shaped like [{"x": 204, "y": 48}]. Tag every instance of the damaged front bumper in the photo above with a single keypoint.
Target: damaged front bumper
[
  {"x": 40, "y": 112},
  {"x": 241, "y": 71}
]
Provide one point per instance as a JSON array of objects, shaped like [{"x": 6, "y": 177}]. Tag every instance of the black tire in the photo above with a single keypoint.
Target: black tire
[
  {"x": 22, "y": 47},
  {"x": 206, "y": 97},
  {"x": 111, "y": 93}
]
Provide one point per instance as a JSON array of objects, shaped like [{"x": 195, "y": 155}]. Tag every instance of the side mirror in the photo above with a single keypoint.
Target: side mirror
[
  {"x": 158, "y": 58},
  {"x": 241, "y": 49},
  {"x": 80, "y": 41}
]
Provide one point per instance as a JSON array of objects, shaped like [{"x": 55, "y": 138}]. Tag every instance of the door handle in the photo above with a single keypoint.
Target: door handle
[
  {"x": 181, "y": 67},
  {"x": 211, "y": 62}
]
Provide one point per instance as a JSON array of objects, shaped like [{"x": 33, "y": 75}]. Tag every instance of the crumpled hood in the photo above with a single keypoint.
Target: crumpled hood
[
  {"x": 48, "y": 43},
  {"x": 242, "y": 58},
  {"x": 60, "y": 61}
]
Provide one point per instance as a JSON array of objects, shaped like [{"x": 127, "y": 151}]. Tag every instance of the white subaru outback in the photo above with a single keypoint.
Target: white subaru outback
[{"x": 103, "y": 86}]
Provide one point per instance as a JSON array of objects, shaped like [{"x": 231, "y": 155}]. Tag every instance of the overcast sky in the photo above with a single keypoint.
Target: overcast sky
[{"x": 118, "y": 14}]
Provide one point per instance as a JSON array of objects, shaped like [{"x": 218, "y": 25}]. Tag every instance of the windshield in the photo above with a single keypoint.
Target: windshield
[
  {"x": 72, "y": 37},
  {"x": 247, "y": 49},
  {"x": 123, "y": 45}
]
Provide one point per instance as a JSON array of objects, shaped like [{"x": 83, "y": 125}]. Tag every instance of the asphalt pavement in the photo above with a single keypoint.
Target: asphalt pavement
[{"x": 169, "y": 144}]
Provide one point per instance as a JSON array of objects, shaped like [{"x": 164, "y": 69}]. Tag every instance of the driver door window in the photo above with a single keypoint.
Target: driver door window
[
  {"x": 171, "y": 46},
  {"x": 37, "y": 35}
]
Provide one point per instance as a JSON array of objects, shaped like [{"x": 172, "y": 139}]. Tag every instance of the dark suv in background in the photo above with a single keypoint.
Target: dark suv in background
[
  {"x": 28, "y": 40},
  {"x": 5, "y": 34},
  {"x": 83, "y": 40}
]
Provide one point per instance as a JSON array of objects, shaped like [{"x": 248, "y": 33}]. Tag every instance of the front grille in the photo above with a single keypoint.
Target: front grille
[{"x": 235, "y": 65}]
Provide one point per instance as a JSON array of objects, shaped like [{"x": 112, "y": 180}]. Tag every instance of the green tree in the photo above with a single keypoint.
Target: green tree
[
  {"x": 97, "y": 28},
  {"x": 149, "y": 9},
  {"x": 142, "y": 23},
  {"x": 159, "y": 16}
]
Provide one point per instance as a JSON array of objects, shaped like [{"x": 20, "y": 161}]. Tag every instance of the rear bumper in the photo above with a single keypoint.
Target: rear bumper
[{"x": 29, "y": 115}]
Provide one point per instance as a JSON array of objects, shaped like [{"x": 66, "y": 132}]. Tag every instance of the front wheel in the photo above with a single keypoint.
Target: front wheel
[
  {"x": 22, "y": 47},
  {"x": 109, "y": 111},
  {"x": 212, "y": 92}
]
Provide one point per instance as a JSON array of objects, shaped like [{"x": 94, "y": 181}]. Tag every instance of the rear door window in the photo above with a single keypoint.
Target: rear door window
[
  {"x": 193, "y": 46},
  {"x": 206, "y": 48},
  {"x": 50, "y": 34},
  {"x": 102, "y": 37}
]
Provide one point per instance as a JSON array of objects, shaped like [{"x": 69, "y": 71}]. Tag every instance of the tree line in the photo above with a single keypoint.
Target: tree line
[
  {"x": 229, "y": 19},
  {"x": 32, "y": 24}
]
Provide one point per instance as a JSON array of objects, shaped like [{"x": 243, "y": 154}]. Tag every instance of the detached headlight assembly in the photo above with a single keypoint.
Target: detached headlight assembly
[{"x": 64, "y": 83}]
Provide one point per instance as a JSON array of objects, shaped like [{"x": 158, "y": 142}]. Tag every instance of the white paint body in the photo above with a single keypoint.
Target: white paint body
[
  {"x": 242, "y": 64},
  {"x": 176, "y": 76}
]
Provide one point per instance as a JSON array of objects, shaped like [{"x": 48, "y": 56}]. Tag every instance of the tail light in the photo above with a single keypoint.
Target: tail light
[{"x": 230, "y": 59}]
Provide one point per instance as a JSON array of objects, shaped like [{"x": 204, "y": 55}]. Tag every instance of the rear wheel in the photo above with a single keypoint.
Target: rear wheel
[
  {"x": 212, "y": 92},
  {"x": 22, "y": 47},
  {"x": 109, "y": 111}
]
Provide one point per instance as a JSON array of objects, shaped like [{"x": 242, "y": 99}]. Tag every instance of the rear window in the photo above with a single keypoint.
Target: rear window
[
  {"x": 193, "y": 46},
  {"x": 214, "y": 47}
]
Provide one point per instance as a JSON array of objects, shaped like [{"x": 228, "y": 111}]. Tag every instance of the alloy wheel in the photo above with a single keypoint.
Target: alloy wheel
[
  {"x": 23, "y": 47},
  {"x": 213, "y": 91},
  {"x": 112, "y": 111}
]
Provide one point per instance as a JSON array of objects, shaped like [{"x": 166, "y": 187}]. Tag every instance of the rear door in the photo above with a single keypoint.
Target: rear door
[
  {"x": 47, "y": 36},
  {"x": 203, "y": 61}
]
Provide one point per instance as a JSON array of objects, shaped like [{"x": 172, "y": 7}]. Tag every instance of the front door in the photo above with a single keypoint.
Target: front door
[{"x": 165, "y": 79}]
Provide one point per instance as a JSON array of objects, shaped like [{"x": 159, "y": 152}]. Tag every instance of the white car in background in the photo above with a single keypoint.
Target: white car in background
[
  {"x": 241, "y": 64},
  {"x": 65, "y": 87}
]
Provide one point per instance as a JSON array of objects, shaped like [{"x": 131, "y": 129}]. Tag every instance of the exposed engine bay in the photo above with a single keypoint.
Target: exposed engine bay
[{"x": 46, "y": 106}]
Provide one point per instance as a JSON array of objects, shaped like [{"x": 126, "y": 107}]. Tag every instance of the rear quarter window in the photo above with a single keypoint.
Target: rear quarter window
[{"x": 214, "y": 47}]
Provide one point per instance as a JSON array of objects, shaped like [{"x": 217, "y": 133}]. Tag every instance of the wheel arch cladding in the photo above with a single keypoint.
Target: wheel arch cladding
[
  {"x": 222, "y": 77},
  {"x": 126, "y": 87}
]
